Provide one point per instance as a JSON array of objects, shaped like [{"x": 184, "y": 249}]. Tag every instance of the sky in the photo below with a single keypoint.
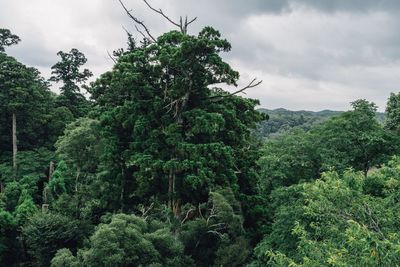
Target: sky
[{"x": 310, "y": 54}]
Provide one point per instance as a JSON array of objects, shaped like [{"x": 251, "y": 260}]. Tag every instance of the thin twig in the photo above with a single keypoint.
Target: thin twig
[
  {"x": 111, "y": 57},
  {"x": 159, "y": 11},
  {"x": 141, "y": 33},
  {"x": 141, "y": 23},
  {"x": 182, "y": 26},
  {"x": 252, "y": 84}
]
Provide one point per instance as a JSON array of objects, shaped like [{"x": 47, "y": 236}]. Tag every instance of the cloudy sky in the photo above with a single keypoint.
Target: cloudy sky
[{"x": 311, "y": 54}]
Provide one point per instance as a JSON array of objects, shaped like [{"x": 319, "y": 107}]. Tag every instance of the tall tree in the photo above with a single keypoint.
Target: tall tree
[
  {"x": 7, "y": 39},
  {"x": 392, "y": 120},
  {"x": 175, "y": 135},
  {"x": 68, "y": 71},
  {"x": 23, "y": 94}
]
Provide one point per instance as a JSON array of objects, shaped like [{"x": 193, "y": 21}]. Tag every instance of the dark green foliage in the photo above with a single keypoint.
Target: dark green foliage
[
  {"x": 392, "y": 121},
  {"x": 170, "y": 135},
  {"x": 25, "y": 93},
  {"x": 163, "y": 168},
  {"x": 8, "y": 235},
  {"x": 218, "y": 233},
  {"x": 45, "y": 233},
  {"x": 7, "y": 39},
  {"x": 128, "y": 240},
  {"x": 68, "y": 72}
]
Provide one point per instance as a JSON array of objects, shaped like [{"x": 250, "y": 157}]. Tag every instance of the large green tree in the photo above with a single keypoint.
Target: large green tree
[
  {"x": 172, "y": 134},
  {"x": 24, "y": 100},
  {"x": 68, "y": 71}
]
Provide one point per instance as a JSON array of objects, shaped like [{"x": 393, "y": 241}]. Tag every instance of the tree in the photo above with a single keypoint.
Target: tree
[
  {"x": 81, "y": 146},
  {"x": 354, "y": 139},
  {"x": 128, "y": 240},
  {"x": 392, "y": 120},
  {"x": 288, "y": 159},
  {"x": 24, "y": 96},
  {"x": 333, "y": 221},
  {"x": 7, "y": 39},
  {"x": 45, "y": 233},
  {"x": 68, "y": 72},
  {"x": 177, "y": 137}
]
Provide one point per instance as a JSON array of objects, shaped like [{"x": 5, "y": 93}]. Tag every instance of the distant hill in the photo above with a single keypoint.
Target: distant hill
[{"x": 281, "y": 120}]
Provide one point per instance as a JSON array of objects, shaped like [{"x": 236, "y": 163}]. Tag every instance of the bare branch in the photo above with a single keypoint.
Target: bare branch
[
  {"x": 159, "y": 11},
  {"x": 141, "y": 23},
  {"x": 111, "y": 57},
  {"x": 187, "y": 215},
  {"x": 181, "y": 25},
  {"x": 252, "y": 84},
  {"x": 142, "y": 34},
  {"x": 127, "y": 32},
  {"x": 216, "y": 233},
  {"x": 191, "y": 21}
]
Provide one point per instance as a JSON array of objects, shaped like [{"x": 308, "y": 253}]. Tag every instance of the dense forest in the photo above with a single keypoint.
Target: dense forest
[
  {"x": 159, "y": 166},
  {"x": 281, "y": 120}
]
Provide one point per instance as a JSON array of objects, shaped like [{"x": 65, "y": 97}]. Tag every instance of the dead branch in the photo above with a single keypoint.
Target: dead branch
[
  {"x": 252, "y": 84},
  {"x": 111, "y": 57},
  {"x": 187, "y": 215},
  {"x": 142, "y": 34},
  {"x": 145, "y": 211},
  {"x": 374, "y": 224},
  {"x": 159, "y": 11},
  {"x": 216, "y": 233},
  {"x": 181, "y": 25},
  {"x": 137, "y": 21}
]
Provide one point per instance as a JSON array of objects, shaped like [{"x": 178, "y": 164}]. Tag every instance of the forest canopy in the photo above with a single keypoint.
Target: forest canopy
[{"x": 155, "y": 163}]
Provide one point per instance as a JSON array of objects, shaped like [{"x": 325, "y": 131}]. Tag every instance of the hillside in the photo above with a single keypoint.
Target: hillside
[{"x": 281, "y": 119}]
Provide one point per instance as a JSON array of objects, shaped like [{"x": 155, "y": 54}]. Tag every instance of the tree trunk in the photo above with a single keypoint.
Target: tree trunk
[
  {"x": 170, "y": 188},
  {"x": 51, "y": 170},
  {"x": 78, "y": 172},
  {"x": 14, "y": 141}
]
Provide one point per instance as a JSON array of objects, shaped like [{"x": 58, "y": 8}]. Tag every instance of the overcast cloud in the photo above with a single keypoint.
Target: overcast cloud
[{"x": 311, "y": 54}]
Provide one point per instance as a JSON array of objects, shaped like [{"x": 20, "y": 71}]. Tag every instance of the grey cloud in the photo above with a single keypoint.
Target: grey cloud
[{"x": 311, "y": 54}]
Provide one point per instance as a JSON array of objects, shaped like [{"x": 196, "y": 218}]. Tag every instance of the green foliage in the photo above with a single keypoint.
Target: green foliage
[
  {"x": 281, "y": 120},
  {"x": 128, "y": 240},
  {"x": 392, "y": 121},
  {"x": 64, "y": 258},
  {"x": 160, "y": 140},
  {"x": 25, "y": 209},
  {"x": 213, "y": 238},
  {"x": 45, "y": 233},
  {"x": 57, "y": 184},
  {"x": 7, "y": 237},
  {"x": 166, "y": 128},
  {"x": 352, "y": 139},
  {"x": 81, "y": 144},
  {"x": 68, "y": 72},
  {"x": 334, "y": 222},
  {"x": 7, "y": 39},
  {"x": 288, "y": 159},
  {"x": 25, "y": 93}
]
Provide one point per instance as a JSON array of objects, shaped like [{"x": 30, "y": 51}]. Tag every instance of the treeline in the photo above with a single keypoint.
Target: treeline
[
  {"x": 161, "y": 168},
  {"x": 281, "y": 120}
]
